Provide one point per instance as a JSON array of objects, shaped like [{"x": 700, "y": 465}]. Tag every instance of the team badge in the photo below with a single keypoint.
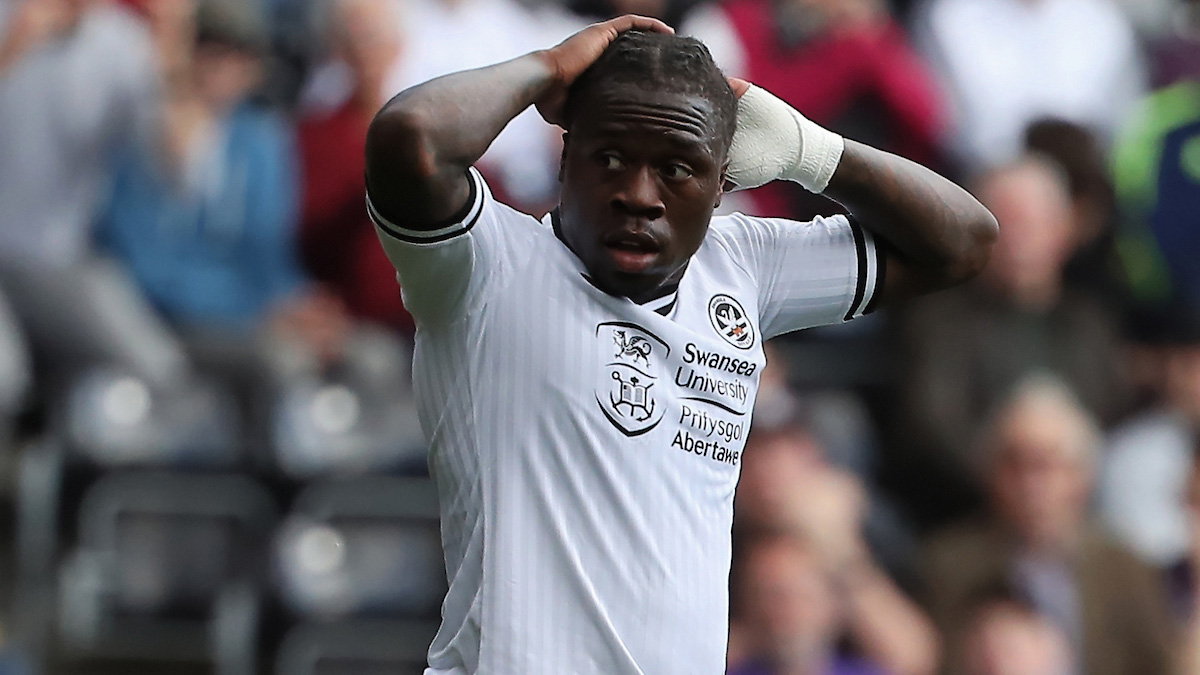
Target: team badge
[
  {"x": 628, "y": 395},
  {"x": 731, "y": 321}
]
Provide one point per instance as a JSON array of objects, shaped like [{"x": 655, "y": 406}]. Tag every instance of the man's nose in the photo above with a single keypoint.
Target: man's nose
[{"x": 639, "y": 195}]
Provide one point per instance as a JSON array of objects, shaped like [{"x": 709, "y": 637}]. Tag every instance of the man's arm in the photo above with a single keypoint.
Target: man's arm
[
  {"x": 937, "y": 234},
  {"x": 421, "y": 143}
]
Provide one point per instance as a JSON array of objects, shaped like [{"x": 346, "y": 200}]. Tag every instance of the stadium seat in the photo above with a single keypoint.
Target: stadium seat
[
  {"x": 336, "y": 428},
  {"x": 167, "y": 569},
  {"x": 355, "y": 558},
  {"x": 114, "y": 419}
]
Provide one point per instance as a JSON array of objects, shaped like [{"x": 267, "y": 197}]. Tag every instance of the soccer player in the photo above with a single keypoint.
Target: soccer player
[{"x": 586, "y": 381}]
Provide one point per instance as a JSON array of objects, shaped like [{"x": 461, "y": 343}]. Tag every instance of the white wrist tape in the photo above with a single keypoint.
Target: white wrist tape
[{"x": 774, "y": 141}]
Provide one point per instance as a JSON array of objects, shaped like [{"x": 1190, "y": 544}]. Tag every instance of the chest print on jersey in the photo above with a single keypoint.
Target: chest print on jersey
[
  {"x": 629, "y": 395},
  {"x": 730, "y": 321}
]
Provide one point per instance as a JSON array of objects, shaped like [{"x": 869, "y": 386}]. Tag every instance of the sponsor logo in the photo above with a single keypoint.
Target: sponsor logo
[
  {"x": 629, "y": 393},
  {"x": 731, "y": 321}
]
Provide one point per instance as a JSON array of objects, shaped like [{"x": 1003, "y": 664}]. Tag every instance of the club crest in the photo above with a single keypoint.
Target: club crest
[{"x": 730, "y": 321}]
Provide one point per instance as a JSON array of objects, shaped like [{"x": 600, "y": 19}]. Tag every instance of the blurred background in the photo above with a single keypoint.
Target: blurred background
[{"x": 209, "y": 454}]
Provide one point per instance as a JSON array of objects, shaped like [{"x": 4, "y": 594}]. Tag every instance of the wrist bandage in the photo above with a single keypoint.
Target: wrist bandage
[{"x": 775, "y": 141}]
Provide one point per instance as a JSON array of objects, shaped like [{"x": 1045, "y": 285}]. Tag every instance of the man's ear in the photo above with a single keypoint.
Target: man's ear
[
  {"x": 562, "y": 159},
  {"x": 723, "y": 184}
]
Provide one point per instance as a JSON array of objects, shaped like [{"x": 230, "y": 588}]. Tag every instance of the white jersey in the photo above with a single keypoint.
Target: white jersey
[{"x": 585, "y": 447}]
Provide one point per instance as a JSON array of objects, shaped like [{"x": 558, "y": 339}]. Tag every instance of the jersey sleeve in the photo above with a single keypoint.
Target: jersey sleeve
[
  {"x": 825, "y": 271},
  {"x": 445, "y": 270}
]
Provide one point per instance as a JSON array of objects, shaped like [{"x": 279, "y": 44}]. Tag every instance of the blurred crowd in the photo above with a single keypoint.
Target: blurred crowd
[{"x": 198, "y": 327}]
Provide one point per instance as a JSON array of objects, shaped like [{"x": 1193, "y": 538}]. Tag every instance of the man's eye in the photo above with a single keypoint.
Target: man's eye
[
  {"x": 611, "y": 162},
  {"x": 677, "y": 172}
]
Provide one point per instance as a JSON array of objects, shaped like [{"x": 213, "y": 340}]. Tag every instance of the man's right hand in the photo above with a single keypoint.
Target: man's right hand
[{"x": 572, "y": 56}]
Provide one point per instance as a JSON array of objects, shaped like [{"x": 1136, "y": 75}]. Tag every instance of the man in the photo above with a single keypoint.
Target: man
[
  {"x": 1007, "y": 63},
  {"x": 586, "y": 382},
  {"x": 794, "y": 610},
  {"x": 1040, "y": 453},
  {"x": 1007, "y": 636},
  {"x": 846, "y": 63},
  {"x": 808, "y": 580},
  {"x": 337, "y": 239},
  {"x": 1018, "y": 318},
  {"x": 79, "y": 82},
  {"x": 1145, "y": 474}
]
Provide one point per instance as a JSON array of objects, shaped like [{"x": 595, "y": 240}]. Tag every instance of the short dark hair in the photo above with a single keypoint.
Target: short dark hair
[{"x": 661, "y": 62}]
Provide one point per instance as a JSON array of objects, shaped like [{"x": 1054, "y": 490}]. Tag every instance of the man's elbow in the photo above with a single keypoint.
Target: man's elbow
[
  {"x": 979, "y": 233},
  {"x": 399, "y": 146}
]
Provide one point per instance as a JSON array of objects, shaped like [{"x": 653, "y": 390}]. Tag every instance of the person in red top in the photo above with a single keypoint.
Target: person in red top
[
  {"x": 846, "y": 64},
  {"x": 338, "y": 242}
]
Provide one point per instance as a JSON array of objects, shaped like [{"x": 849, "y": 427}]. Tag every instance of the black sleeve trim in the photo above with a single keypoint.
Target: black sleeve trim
[
  {"x": 458, "y": 224},
  {"x": 860, "y": 289}
]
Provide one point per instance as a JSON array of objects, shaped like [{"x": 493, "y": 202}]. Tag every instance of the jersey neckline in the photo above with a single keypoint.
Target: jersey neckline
[{"x": 662, "y": 303}]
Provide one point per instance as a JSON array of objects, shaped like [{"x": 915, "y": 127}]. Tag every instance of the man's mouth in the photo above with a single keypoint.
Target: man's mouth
[{"x": 632, "y": 252}]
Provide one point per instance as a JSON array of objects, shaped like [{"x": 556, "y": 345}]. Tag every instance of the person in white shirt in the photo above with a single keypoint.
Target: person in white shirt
[
  {"x": 1007, "y": 63},
  {"x": 585, "y": 381}
]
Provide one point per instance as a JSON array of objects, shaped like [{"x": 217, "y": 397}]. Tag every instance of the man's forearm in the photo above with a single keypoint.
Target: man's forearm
[
  {"x": 935, "y": 227},
  {"x": 422, "y": 141}
]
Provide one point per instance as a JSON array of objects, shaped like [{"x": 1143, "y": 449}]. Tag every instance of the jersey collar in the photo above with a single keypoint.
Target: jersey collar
[{"x": 662, "y": 303}]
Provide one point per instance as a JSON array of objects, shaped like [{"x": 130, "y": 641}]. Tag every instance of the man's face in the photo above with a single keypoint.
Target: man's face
[
  {"x": 1035, "y": 231},
  {"x": 641, "y": 177},
  {"x": 1006, "y": 641},
  {"x": 223, "y": 75},
  {"x": 1041, "y": 481}
]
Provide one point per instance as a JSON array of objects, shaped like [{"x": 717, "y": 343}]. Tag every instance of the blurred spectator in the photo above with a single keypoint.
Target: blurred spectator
[
  {"x": 1157, "y": 178},
  {"x": 844, "y": 63},
  {"x": 787, "y": 487},
  {"x": 1007, "y": 636},
  {"x": 792, "y": 611},
  {"x": 209, "y": 236},
  {"x": 78, "y": 81},
  {"x": 76, "y": 78},
  {"x": 1040, "y": 455},
  {"x": 444, "y": 36},
  {"x": 211, "y": 239},
  {"x": 337, "y": 239},
  {"x": 1145, "y": 475},
  {"x": 968, "y": 347},
  {"x": 1009, "y": 62},
  {"x": 1093, "y": 266}
]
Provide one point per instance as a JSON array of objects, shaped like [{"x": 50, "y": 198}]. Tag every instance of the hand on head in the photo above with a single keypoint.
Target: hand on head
[{"x": 572, "y": 56}]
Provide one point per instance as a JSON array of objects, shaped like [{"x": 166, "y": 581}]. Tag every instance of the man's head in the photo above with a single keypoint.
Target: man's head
[
  {"x": 649, "y": 126},
  {"x": 231, "y": 38},
  {"x": 787, "y": 599},
  {"x": 366, "y": 35},
  {"x": 1040, "y": 450},
  {"x": 1007, "y": 636},
  {"x": 1032, "y": 202}
]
